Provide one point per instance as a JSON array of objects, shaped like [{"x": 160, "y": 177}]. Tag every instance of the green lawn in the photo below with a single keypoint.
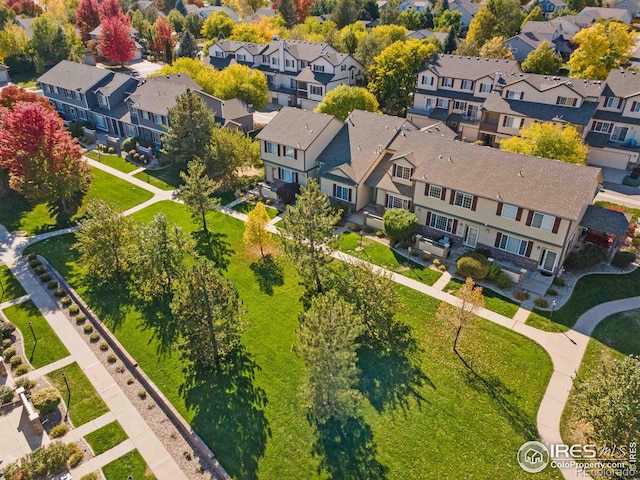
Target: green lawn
[
  {"x": 166, "y": 179},
  {"x": 48, "y": 348},
  {"x": 85, "y": 404},
  {"x": 421, "y": 403},
  {"x": 614, "y": 337},
  {"x": 493, "y": 300},
  {"x": 17, "y": 214},
  {"x": 589, "y": 291},
  {"x": 246, "y": 207},
  {"x": 9, "y": 285},
  {"x": 379, "y": 254},
  {"x": 25, "y": 80},
  {"x": 130, "y": 463},
  {"x": 106, "y": 438},
  {"x": 113, "y": 161}
]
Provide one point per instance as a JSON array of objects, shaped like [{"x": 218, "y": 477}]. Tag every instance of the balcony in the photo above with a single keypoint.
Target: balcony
[
  {"x": 421, "y": 111},
  {"x": 470, "y": 119},
  {"x": 488, "y": 127},
  {"x": 303, "y": 94}
]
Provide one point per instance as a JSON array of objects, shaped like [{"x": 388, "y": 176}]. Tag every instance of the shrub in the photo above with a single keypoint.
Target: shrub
[
  {"x": 75, "y": 459},
  {"x": 74, "y": 309},
  {"x": 6, "y": 343},
  {"x": 32, "y": 256},
  {"x": 341, "y": 209},
  {"x": 399, "y": 224},
  {"x": 112, "y": 150},
  {"x": 59, "y": 430},
  {"x": 474, "y": 265},
  {"x": 90, "y": 476},
  {"x": 442, "y": 267},
  {"x": 15, "y": 361},
  {"x": 494, "y": 271},
  {"x": 39, "y": 270},
  {"x": 65, "y": 301},
  {"x": 402, "y": 245},
  {"x": 111, "y": 358},
  {"x": 94, "y": 337},
  {"x": 120, "y": 369},
  {"x": 379, "y": 234},
  {"x": 522, "y": 296},
  {"x": 35, "y": 263},
  {"x": 46, "y": 399},
  {"x": 483, "y": 251},
  {"x": 368, "y": 229},
  {"x": 414, "y": 252},
  {"x": 43, "y": 462},
  {"x": 52, "y": 284},
  {"x": 503, "y": 280},
  {"x": 426, "y": 256},
  {"x": 6, "y": 394},
  {"x": 21, "y": 370},
  {"x": 58, "y": 292},
  {"x": 8, "y": 353},
  {"x": 80, "y": 318},
  {"x": 636, "y": 242},
  {"x": 541, "y": 303},
  {"x": 623, "y": 259},
  {"x": 436, "y": 262},
  {"x": 130, "y": 380},
  {"x": 24, "y": 382},
  {"x": 589, "y": 256},
  {"x": 104, "y": 346},
  {"x": 129, "y": 144},
  {"x": 7, "y": 328},
  {"x": 87, "y": 328},
  {"x": 559, "y": 282},
  {"x": 268, "y": 201},
  {"x": 355, "y": 228},
  {"x": 142, "y": 394}
]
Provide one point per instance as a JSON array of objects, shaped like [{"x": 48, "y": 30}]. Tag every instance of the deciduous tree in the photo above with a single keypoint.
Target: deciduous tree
[
  {"x": 110, "y": 8},
  {"x": 327, "y": 341},
  {"x": 188, "y": 46},
  {"x": 549, "y": 141},
  {"x": 482, "y": 27},
  {"x": 495, "y": 18},
  {"x": 256, "y": 234},
  {"x": 163, "y": 39},
  {"x": 7, "y": 17},
  {"x": 217, "y": 25},
  {"x": 193, "y": 22},
  {"x": 177, "y": 20},
  {"x": 228, "y": 150},
  {"x": 410, "y": 19},
  {"x": 197, "y": 192},
  {"x": 240, "y": 81},
  {"x": 390, "y": 13},
  {"x": 543, "y": 60},
  {"x": 209, "y": 313},
  {"x": 105, "y": 241},
  {"x": 45, "y": 164},
  {"x": 448, "y": 19},
  {"x": 399, "y": 224},
  {"x": 12, "y": 94},
  {"x": 535, "y": 15},
  {"x": 343, "y": 100},
  {"x": 116, "y": 43},
  {"x": 495, "y": 48},
  {"x": 470, "y": 301},
  {"x": 13, "y": 41},
  {"x": 309, "y": 224},
  {"x": 49, "y": 40},
  {"x": 87, "y": 17}
]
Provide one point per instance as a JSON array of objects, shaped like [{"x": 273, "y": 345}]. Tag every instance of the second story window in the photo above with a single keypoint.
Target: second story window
[
  {"x": 275, "y": 61},
  {"x": 458, "y": 105},
  {"x": 289, "y": 63},
  {"x": 447, "y": 82},
  {"x": 241, "y": 57},
  {"x": 635, "y": 107},
  {"x": 402, "y": 172},
  {"x": 602, "y": 127},
  {"x": 464, "y": 200},
  {"x": 442, "y": 103},
  {"x": 56, "y": 90},
  {"x": 512, "y": 122},
  {"x": 271, "y": 148},
  {"x": 509, "y": 211},
  {"x": 313, "y": 90},
  {"x": 290, "y": 152},
  {"x": 435, "y": 191},
  {"x": 486, "y": 88},
  {"x": 46, "y": 88},
  {"x": 219, "y": 54},
  {"x": 515, "y": 95},
  {"x": 145, "y": 114},
  {"x": 426, "y": 80},
  {"x": 102, "y": 100},
  {"x": 612, "y": 102},
  {"x": 543, "y": 221},
  {"x": 78, "y": 95},
  {"x": 467, "y": 85},
  {"x": 567, "y": 101},
  {"x": 303, "y": 64},
  {"x": 68, "y": 94},
  {"x": 318, "y": 68},
  {"x": 619, "y": 134},
  {"x": 157, "y": 119}
]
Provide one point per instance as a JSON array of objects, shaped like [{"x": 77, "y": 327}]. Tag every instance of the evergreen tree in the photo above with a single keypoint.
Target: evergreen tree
[
  {"x": 390, "y": 13},
  {"x": 327, "y": 341},
  {"x": 371, "y": 10},
  {"x": 287, "y": 9},
  {"x": 451, "y": 42},
  {"x": 188, "y": 46},
  {"x": 197, "y": 192},
  {"x": 193, "y": 22},
  {"x": 190, "y": 125},
  {"x": 181, "y": 7},
  {"x": 344, "y": 13},
  {"x": 426, "y": 18}
]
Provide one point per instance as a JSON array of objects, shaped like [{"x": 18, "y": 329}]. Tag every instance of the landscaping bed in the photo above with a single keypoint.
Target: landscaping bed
[{"x": 248, "y": 206}]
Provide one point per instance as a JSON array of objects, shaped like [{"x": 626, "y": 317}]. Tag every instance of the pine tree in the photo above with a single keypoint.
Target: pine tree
[
  {"x": 287, "y": 9},
  {"x": 344, "y": 13},
  {"x": 181, "y": 7},
  {"x": 197, "y": 192},
  {"x": 188, "y": 46},
  {"x": 327, "y": 341},
  {"x": 451, "y": 42},
  {"x": 255, "y": 229}
]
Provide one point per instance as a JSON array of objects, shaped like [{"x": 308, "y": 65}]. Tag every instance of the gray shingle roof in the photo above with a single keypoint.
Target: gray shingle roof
[
  {"x": 306, "y": 75},
  {"x": 220, "y": 63},
  {"x": 614, "y": 117},
  {"x": 622, "y": 83},
  {"x": 360, "y": 142},
  {"x": 468, "y": 5},
  {"x": 74, "y": 76},
  {"x": 261, "y": 12},
  {"x": 233, "y": 46},
  {"x": 604, "y": 12},
  {"x": 540, "y": 184},
  {"x": 471, "y": 68},
  {"x": 605, "y": 221},
  {"x": 602, "y": 140},
  {"x": 114, "y": 83},
  {"x": 381, "y": 178},
  {"x": 158, "y": 94},
  {"x": 25, "y": 24},
  {"x": 204, "y": 12},
  {"x": 295, "y": 128},
  {"x": 584, "y": 88},
  {"x": 308, "y": 51},
  {"x": 234, "y": 108},
  {"x": 541, "y": 28}
]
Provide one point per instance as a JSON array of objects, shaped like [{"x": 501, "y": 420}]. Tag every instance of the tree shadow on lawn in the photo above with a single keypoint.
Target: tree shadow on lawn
[
  {"x": 390, "y": 373},
  {"x": 214, "y": 246},
  {"x": 157, "y": 316},
  {"x": 268, "y": 273},
  {"x": 109, "y": 301},
  {"x": 347, "y": 450},
  {"x": 502, "y": 397},
  {"x": 229, "y": 413}
]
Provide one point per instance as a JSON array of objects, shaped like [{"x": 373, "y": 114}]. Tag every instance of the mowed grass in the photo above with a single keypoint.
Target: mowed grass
[
  {"x": 85, "y": 404},
  {"x": 106, "y": 438},
  {"x": 589, "y": 291},
  {"x": 48, "y": 348},
  {"x": 17, "y": 214},
  {"x": 493, "y": 300},
  {"x": 420, "y": 405},
  {"x": 113, "y": 161},
  {"x": 165, "y": 179},
  {"x": 383, "y": 256},
  {"x": 246, "y": 207},
  {"x": 130, "y": 463},
  {"x": 10, "y": 285},
  {"x": 613, "y": 338}
]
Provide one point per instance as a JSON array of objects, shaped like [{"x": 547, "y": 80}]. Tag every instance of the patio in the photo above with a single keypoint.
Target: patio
[{"x": 18, "y": 436}]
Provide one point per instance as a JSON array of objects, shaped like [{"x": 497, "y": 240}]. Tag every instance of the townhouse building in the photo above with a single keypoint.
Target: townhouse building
[
  {"x": 298, "y": 73},
  {"x": 123, "y": 106}
]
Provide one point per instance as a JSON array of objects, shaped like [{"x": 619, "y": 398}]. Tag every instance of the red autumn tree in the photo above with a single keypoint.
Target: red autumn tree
[
  {"x": 12, "y": 94},
  {"x": 28, "y": 8},
  {"x": 44, "y": 163},
  {"x": 87, "y": 17},
  {"x": 163, "y": 40},
  {"x": 303, "y": 8},
  {"x": 116, "y": 43},
  {"x": 110, "y": 8}
]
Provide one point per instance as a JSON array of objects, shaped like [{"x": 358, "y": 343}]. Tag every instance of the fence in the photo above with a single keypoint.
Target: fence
[{"x": 374, "y": 221}]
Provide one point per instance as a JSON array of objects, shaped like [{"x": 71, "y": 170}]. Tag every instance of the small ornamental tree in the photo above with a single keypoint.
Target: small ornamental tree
[
  {"x": 116, "y": 43},
  {"x": 343, "y": 100},
  {"x": 163, "y": 39},
  {"x": 256, "y": 234},
  {"x": 470, "y": 301},
  {"x": 399, "y": 224}
]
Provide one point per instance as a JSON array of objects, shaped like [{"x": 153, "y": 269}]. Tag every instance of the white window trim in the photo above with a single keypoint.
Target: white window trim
[
  {"x": 485, "y": 88},
  {"x": 289, "y": 152},
  {"x": 342, "y": 193},
  {"x": 615, "y": 133},
  {"x": 505, "y": 243},
  {"x": 284, "y": 172},
  {"x": 272, "y": 148},
  {"x": 462, "y": 198},
  {"x": 602, "y": 127},
  {"x": 469, "y": 83},
  {"x": 618, "y": 101},
  {"x": 546, "y": 221},
  {"x": 315, "y": 87},
  {"x": 436, "y": 221},
  {"x": 397, "y": 202},
  {"x": 509, "y": 211},
  {"x": 435, "y": 191},
  {"x": 400, "y": 171}
]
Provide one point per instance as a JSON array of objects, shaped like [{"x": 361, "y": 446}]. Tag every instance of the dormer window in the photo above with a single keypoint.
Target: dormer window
[
  {"x": 427, "y": 80},
  {"x": 447, "y": 82},
  {"x": 102, "y": 100},
  {"x": 403, "y": 172},
  {"x": 635, "y": 107},
  {"x": 318, "y": 68},
  {"x": 612, "y": 102}
]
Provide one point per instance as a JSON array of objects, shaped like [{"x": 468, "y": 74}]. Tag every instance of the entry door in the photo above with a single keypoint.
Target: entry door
[
  {"x": 471, "y": 238},
  {"x": 74, "y": 115},
  {"x": 549, "y": 260}
]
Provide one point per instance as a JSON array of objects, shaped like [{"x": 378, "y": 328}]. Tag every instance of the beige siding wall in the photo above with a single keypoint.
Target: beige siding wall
[
  {"x": 547, "y": 97},
  {"x": 611, "y": 158}
]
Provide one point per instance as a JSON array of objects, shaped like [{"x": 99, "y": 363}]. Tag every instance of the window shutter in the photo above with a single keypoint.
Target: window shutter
[
  {"x": 530, "y": 218},
  {"x": 610, "y": 128},
  {"x": 443, "y": 194},
  {"x": 557, "y": 100},
  {"x": 521, "y": 95},
  {"x": 498, "y": 238},
  {"x": 453, "y": 196},
  {"x": 335, "y": 187},
  {"x": 506, "y": 95},
  {"x": 295, "y": 177},
  {"x": 279, "y": 173},
  {"x": 575, "y": 102},
  {"x": 519, "y": 214},
  {"x": 409, "y": 205},
  {"x": 633, "y": 106},
  {"x": 295, "y": 154},
  {"x": 529, "y": 248},
  {"x": 410, "y": 173},
  {"x": 428, "y": 219},
  {"x": 386, "y": 200},
  {"x": 556, "y": 225},
  {"x": 278, "y": 149},
  {"x": 265, "y": 146},
  {"x": 499, "y": 209},
  {"x": 504, "y": 121},
  {"x": 474, "y": 203},
  {"x": 455, "y": 227},
  {"x": 426, "y": 190},
  {"x": 349, "y": 195}
]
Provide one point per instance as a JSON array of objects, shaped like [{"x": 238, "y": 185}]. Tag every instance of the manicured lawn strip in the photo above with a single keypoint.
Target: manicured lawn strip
[
  {"x": 381, "y": 255},
  {"x": 246, "y": 207},
  {"x": 635, "y": 212},
  {"x": 234, "y": 423},
  {"x": 106, "y": 438},
  {"x": 114, "y": 190},
  {"x": 542, "y": 322},
  {"x": 48, "y": 348},
  {"x": 10, "y": 285},
  {"x": 166, "y": 178},
  {"x": 25, "y": 80},
  {"x": 86, "y": 404},
  {"x": 592, "y": 290},
  {"x": 493, "y": 300},
  {"x": 613, "y": 338},
  {"x": 130, "y": 463},
  {"x": 113, "y": 161}
]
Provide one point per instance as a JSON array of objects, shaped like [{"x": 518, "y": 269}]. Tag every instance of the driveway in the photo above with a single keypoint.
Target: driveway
[{"x": 144, "y": 68}]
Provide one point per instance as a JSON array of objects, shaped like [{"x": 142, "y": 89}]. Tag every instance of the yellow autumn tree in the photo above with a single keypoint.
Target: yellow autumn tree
[
  {"x": 470, "y": 301},
  {"x": 256, "y": 235}
]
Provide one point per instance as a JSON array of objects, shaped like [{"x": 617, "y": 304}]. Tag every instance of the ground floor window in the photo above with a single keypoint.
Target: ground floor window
[
  {"x": 101, "y": 122},
  {"x": 157, "y": 138},
  {"x": 343, "y": 193},
  {"x": 396, "y": 202},
  {"x": 513, "y": 245},
  {"x": 288, "y": 176},
  {"x": 440, "y": 222},
  {"x": 82, "y": 114}
]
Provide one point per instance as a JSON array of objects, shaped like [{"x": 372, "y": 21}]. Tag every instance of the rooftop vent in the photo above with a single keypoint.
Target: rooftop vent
[
  {"x": 520, "y": 174},
  {"x": 439, "y": 156}
]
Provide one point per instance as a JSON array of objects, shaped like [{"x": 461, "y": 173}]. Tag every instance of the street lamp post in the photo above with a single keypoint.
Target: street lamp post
[
  {"x": 66, "y": 415},
  {"x": 33, "y": 333},
  {"x": 553, "y": 308}
]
